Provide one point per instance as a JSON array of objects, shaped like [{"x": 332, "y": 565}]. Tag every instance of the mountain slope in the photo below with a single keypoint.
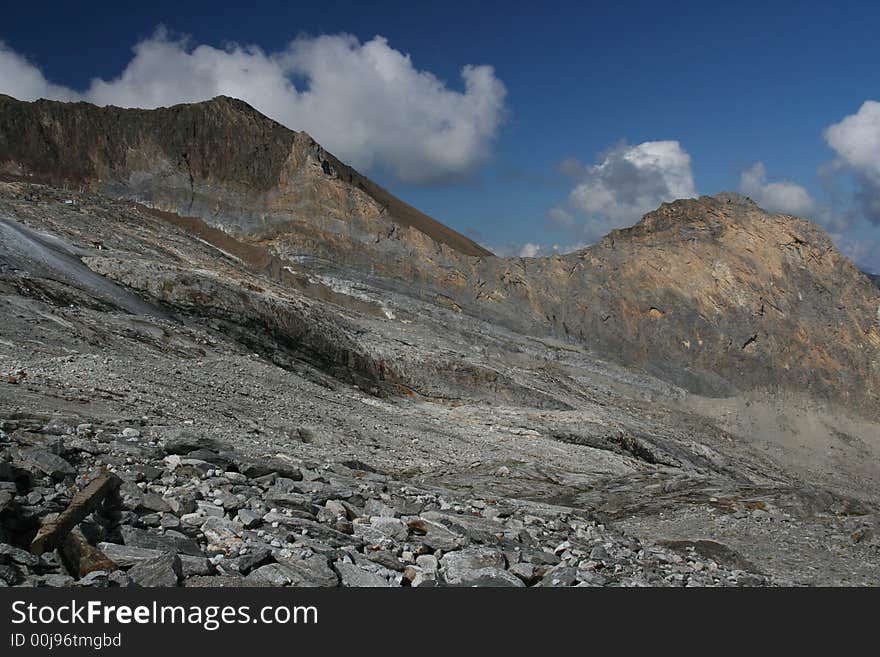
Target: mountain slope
[
  {"x": 199, "y": 283},
  {"x": 220, "y": 159},
  {"x": 712, "y": 294},
  {"x": 239, "y": 365}
]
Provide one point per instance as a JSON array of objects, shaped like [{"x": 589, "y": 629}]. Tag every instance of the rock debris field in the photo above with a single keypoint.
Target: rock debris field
[
  {"x": 229, "y": 359},
  {"x": 132, "y": 506}
]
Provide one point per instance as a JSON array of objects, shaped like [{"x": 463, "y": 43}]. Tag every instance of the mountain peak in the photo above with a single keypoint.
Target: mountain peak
[{"x": 220, "y": 159}]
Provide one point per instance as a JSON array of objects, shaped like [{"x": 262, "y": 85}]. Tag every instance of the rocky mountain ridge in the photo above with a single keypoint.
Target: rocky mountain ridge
[
  {"x": 219, "y": 159},
  {"x": 690, "y": 401},
  {"x": 712, "y": 294}
]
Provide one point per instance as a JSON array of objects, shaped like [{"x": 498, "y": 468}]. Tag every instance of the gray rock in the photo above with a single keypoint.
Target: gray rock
[
  {"x": 147, "y": 472},
  {"x": 184, "y": 441},
  {"x": 433, "y": 535},
  {"x": 378, "y": 508},
  {"x": 307, "y": 435},
  {"x": 539, "y": 557},
  {"x": 119, "y": 578},
  {"x": 220, "y": 460},
  {"x": 266, "y": 480},
  {"x": 95, "y": 579},
  {"x": 221, "y": 581},
  {"x": 249, "y": 519},
  {"x": 36, "y": 460},
  {"x": 458, "y": 565},
  {"x": 289, "y": 500},
  {"x": 559, "y": 576},
  {"x": 474, "y": 528},
  {"x": 192, "y": 520},
  {"x": 228, "y": 501},
  {"x": 154, "y": 502},
  {"x": 420, "y": 578},
  {"x": 60, "y": 580},
  {"x": 181, "y": 503},
  {"x": 355, "y": 576},
  {"x": 193, "y": 468},
  {"x": 599, "y": 553},
  {"x": 223, "y": 536},
  {"x": 490, "y": 577},
  {"x": 525, "y": 571},
  {"x": 251, "y": 560},
  {"x": 312, "y": 571},
  {"x": 273, "y": 574},
  {"x": 386, "y": 559},
  {"x": 391, "y": 527},
  {"x": 11, "y": 575},
  {"x": 162, "y": 571},
  {"x": 210, "y": 509},
  {"x": 191, "y": 566},
  {"x": 315, "y": 530},
  {"x": 12, "y": 554},
  {"x": 170, "y": 540},
  {"x": 260, "y": 467},
  {"x": 591, "y": 578},
  {"x": 6, "y": 500},
  {"x": 427, "y": 562},
  {"x": 169, "y": 521},
  {"x": 126, "y": 556}
]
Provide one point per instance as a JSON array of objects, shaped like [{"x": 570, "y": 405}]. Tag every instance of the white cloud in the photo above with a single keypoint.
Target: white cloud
[
  {"x": 530, "y": 250},
  {"x": 856, "y": 140},
  {"x": 365, "y": 102},
  {"x": 22, "y": 79},
  {"x": 629, "y": 182},
  {"x": 785, "y": 197}
]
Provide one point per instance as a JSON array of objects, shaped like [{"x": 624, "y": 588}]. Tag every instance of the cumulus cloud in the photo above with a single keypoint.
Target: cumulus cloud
[
  {"x": 628, "y": 182},
  {"x": 856, "y": 141},
  {"x": 365, "y": 102},
  {"x": 782, "y": 196},
  {"x": 22, "y": 79}
]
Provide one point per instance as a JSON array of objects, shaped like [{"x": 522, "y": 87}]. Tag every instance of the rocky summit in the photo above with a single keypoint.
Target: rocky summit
[{"x": 229, "y": 359}]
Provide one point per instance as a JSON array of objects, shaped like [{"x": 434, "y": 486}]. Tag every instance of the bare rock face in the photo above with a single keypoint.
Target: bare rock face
[
  {"x": 712, "y": 294},
  {"x": 760, "y": 299},
  {"x": 220, "y": 159}
]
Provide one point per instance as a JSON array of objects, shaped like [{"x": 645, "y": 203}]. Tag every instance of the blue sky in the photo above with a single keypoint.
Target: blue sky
[{"x": 717, "y": 89}]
